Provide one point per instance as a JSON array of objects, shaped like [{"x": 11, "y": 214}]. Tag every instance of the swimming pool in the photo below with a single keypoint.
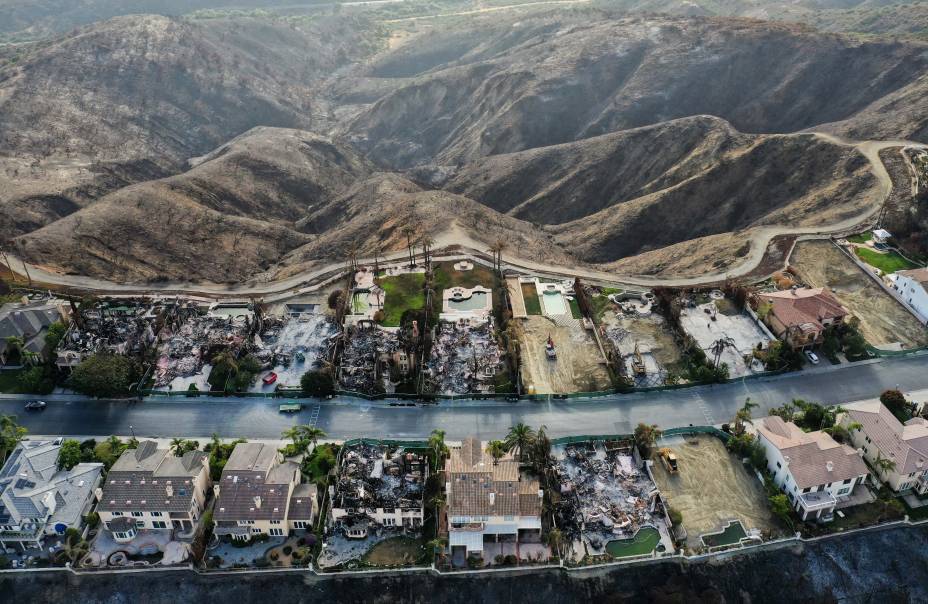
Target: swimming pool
[
  {"x": 554, "y": 303},
  {"x": 476, "y": 301}
]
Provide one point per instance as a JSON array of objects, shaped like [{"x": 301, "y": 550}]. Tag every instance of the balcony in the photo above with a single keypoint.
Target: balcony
[
  {"x": 921, "y": 485},
  {"x": 819, "y": 500}
]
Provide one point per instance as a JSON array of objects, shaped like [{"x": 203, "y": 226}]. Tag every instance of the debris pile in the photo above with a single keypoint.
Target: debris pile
[
  {"x": 294, "y": 344},
  {"x": 191, "y": 336},
  {"x": 374, "y": 483},
  {"x": 123, "y": 328},
  {"x": 364, "y": 365},
  {"x": 605, "y": 494},
  {"x": 463, "y": 359}
]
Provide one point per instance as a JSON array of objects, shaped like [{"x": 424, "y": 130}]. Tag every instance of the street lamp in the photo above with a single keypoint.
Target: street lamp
[{"x": 131, "y": 431}]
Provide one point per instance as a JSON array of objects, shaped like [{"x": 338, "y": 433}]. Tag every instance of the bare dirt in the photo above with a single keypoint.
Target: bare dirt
[
  {"x": 883, "y": 321},
  {"x": 579, "y": 366},
  {"x": 650, "y": 332},
  {"x": 711, "y": 488}
]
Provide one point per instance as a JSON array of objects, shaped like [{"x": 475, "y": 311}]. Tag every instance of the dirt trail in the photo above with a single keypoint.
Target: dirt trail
[{"x": 487, "y": 9}]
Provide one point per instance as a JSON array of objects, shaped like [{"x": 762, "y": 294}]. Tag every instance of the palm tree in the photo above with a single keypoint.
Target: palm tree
[
  {"x": 438, "y": 448},
  {"x": 115, "y": 444},
  {"x": 883, "y": 464},
  {"x": 178, "y": 445},
  {"x": 743, "y": 415},
  {"x": 645, "y": 436},
  {"x": 496, "y": 449},
  {"x": 15, "y": 345},
  {"x": 497, "y": 248},
  {"x": 302, "y": 436},
  {"x": 520, "y": 437},
  {"x": 437, "y": 546},
  {"x": 427, "y": 242},
  {"x": 73, "y": 549},
  {"x": 409, "y": 231},
  {"x": 555, "y": 538},
  {"x": 541, "y": 450}
]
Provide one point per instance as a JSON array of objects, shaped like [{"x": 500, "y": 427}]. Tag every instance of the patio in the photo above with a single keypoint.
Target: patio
[
  {"x": 232, "y": 555},
  {"x": 148, "y": 544}
]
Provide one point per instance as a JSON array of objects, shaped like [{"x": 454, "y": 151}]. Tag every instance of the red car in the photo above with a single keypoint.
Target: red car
[{"x": 270, "y": 378}]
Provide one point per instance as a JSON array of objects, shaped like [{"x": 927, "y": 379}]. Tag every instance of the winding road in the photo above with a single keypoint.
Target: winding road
[{"x": 456, "y": 237}]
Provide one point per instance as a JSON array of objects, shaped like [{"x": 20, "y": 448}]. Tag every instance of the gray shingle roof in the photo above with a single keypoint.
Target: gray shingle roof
[
  {"x": 151, "y": 479},
  {"x": 255, "y": 485}
]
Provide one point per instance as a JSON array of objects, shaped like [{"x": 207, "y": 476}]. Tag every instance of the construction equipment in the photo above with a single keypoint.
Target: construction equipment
[
  {"x": 638, "y": 363},
  {"x": 669, "y": 459},
  {"x": 549, "y": 349}
]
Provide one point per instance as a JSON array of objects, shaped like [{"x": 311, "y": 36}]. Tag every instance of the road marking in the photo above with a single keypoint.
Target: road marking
[
  {"x": 705, "y": 411},
  {"x": 314, "y": 417}
]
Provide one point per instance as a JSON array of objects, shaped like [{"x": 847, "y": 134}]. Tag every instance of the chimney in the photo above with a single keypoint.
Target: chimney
[
  {"x": 829, "y": 466},
  {"x": 98, "y": 493},
  {"x": 492, "y": 498},
  {"x": 169, "y": 491},
  {"x": 541, "y": 494},
  {"x": 216, "y": 490},
  {"x": 258, "y": 502}
]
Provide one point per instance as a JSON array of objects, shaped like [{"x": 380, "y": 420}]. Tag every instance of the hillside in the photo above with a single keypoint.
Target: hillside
[
  {"x": 232, "y": 215},
  {"x": 133, "y": 98},
  {"x": 598, "y": 76}
]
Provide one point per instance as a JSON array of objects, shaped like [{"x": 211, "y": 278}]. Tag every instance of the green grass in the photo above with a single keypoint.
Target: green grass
[
  {"x": 444, "y": 276},
  {"x": 530, "y": 295},
  {"x": 9, "y": 381},
  {"x": 403, "y": 292},
  {"x": 397, "y": 551},
  {"x": 644, "y": 542},
  {"x": 575, "y": 309},
  {"x": 600, "y": 304},
  {"x": 888, "y": 263},
  {"x": 861, "y": 237}
]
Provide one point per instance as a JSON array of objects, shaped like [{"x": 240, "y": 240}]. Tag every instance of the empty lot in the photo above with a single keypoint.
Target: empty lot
[
  {"x": 883, "y": 321},
  {"x": 711, "y": 488}
]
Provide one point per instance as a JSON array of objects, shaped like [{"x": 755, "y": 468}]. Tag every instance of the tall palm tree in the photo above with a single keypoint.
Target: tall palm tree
[
  {"x": 438, "y": 448},
  {"x": 496, "y": 449},
  {"x": 74, "y": 549},
  {"x": 177, "y": 445},
  {"x": 409, "y": 231},
  {"x": 11, "y": 434},
  {"x": 427, "y": 241},
  {"x": 883, "y": 464},
  {"x": 519, "y": 438},
  {"x": 743, "y": 415},
  {"x": 541, "y": 451},
  {"x": 555, "y": 539}
]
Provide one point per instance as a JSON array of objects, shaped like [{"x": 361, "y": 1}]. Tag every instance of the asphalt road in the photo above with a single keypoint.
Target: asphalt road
[{"x": 344, "y": 418}]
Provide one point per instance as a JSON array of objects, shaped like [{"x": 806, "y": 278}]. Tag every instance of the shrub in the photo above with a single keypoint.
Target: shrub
[
  {"x": 287, "y": 550},
  {"x": 318, "y": 382},
  {"x": 511, "y": 560},
  {"x": 275, "y": 556},
  {"x": 675, "y": 516},
  {"x": 103, "y": 375},
  {"x": 92, "y": 519},
  {"x": 262, "y": 562}
]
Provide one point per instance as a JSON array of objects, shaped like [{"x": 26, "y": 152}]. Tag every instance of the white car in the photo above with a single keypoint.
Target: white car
[
  {"x": 813, "y": 358},
  {"x": 35, "y": 405}
]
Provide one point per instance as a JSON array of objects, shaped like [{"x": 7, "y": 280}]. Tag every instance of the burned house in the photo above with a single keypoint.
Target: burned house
[
  {"x": 292, "y": 344},
  {"x": 378, "y": 487},
  {"x": 193, "y": 333},
  {"x": 463, "y": 359},
  {"x": 122, "y": 328},
  {"x": 606, "y": 494},
  {"x": 373, "y": 360}
]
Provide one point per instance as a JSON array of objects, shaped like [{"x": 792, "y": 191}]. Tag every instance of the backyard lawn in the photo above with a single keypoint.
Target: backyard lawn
[
  {"x": 732, "y": 534},
  {"x": 861, "y": 237},
  {"x": 575, "y": 309},
  {"x": 644, "y": 542},
  {"x": 402, "y": 292},
  {"x": 888, "y": 263},
  {"x": 398, "y": 551},
  {"x": 530, "y": 295},
  {"x": 445, "y": 276}
]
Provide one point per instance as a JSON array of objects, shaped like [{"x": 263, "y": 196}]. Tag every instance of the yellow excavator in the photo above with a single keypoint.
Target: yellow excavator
[{"x": 669, "y": 460}]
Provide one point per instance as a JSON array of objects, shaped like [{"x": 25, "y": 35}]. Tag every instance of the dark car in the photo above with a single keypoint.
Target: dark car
[{"x": 35, "y": 405}]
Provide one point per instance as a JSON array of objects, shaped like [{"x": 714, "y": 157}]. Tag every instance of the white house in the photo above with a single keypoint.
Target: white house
[
  {"x": 881, "y": 236},
  {"x": 912, "y": 286},
  {"x": 38, "y": 499},
  {"x": 488, "y": 501},
  {"x": 815, "y": 471},
  {"x": 882, "y": 436}
]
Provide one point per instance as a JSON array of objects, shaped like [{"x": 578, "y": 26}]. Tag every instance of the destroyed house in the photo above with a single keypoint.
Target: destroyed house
[
  {"x": 379, "y": 486},
  {"x": 38, "y": 499},
  {"x": 121, "y": 329},
  {"x": 154, "y": 488},
  {"x": 260, "y": 492},
  {"x": 488, "y": 500}
]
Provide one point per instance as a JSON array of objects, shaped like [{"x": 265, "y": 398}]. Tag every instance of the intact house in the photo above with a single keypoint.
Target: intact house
[
  {"x": 882, "y": 436},
  {"x": 816, "y": 472},
  {"x": 488, "y": 501},
  {"x": 260, "y": 492},
  {"x": 37, "y": 499},
  {"x": 378, "y": 487},
  {"x": 29, "y": 321},
  {"x": 152, "y": 489},
  {"x": 912, "y": 286},
  {"x": 800, "y": 316}
]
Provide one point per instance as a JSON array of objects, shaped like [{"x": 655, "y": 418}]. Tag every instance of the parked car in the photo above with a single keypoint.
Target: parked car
[
  {"x": 35, "y": 405},
  {"x": 270, "y": 378},
  {"x": 813, "y": 358}
]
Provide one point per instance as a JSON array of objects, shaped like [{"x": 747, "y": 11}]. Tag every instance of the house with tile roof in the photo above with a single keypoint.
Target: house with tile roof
[
  {"x": 261, "y": 492},
  {"x": 882, "y": 436},
  {"x": 37, "y": 499},
  {"x": 815, "y": 471},
  {"x": 155, "y": 489},
  {"x": 488, "y": 500},
  {"x": 912, "y": 287},
  {"x": 800, "y": 316},
  {"x": 29, "y": 320}
]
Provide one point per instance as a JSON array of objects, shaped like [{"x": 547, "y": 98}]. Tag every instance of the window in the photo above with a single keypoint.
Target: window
[
  {"x": 137, "y": 514},
  {"x": 299, "y": 524},
  {"x": 807, "y": 489},
  {"x": 778, "y": 465},
  {"x": 159, "y": 524},
  {"x": 844, "y": 491},
  {"x": 139, "y": 524},
  {"x": 245, "y": 522},
  {"x": 847, "y": 481},
  {"x": 156, "y": 514},
  {"x": 276, "y": 532},
  {"x": 275, "y": 521},
  {"x": 117, "y": 513},
  {"x": 122, "y": 535},
  {"x": 255, "y": 530}
]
